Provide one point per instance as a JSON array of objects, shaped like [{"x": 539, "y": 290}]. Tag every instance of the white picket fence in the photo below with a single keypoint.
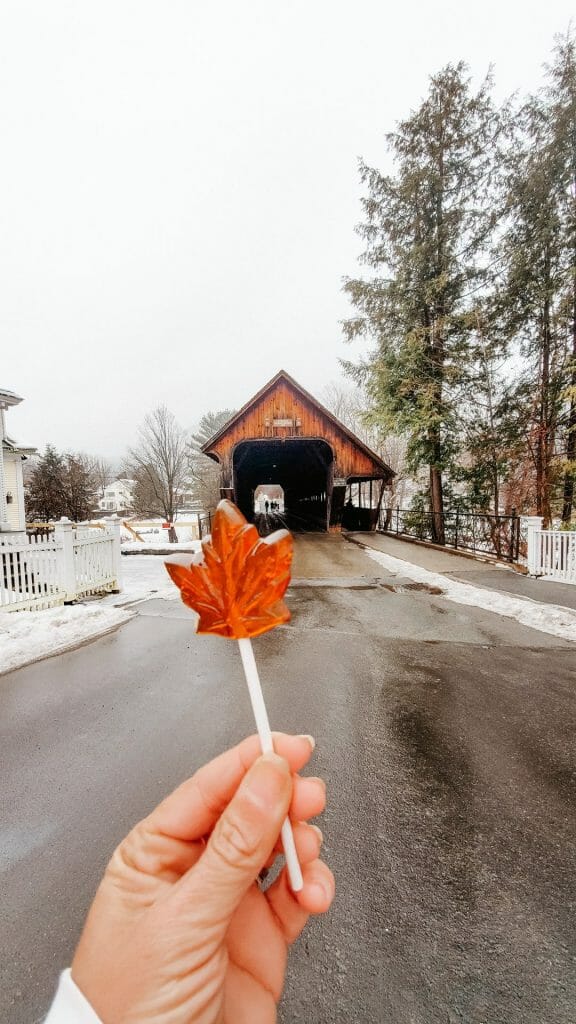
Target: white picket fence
[
  {"x": 68, "y": 564},
  {"x": 551, "y": 553}
]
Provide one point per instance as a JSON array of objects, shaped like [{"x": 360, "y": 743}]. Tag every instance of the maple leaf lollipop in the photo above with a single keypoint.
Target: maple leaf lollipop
[{"x": 237, "y": 585}]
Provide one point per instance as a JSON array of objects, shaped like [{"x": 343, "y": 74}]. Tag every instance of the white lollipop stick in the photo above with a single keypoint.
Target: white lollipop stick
[{"x": 263, "y": 727}]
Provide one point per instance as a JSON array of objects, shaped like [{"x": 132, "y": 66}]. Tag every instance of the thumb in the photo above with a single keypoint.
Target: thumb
[{"x": 241, "y": 842}]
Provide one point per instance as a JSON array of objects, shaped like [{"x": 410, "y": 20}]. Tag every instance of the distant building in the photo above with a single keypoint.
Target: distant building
[
  {"x": 118, "y": 496},
  {"x": 12, "y": 512}
]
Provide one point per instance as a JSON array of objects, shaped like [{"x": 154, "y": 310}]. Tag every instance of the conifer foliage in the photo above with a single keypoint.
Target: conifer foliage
[
  {"x": 61, "y": 485},
  {"x": 469, "y": 300}
]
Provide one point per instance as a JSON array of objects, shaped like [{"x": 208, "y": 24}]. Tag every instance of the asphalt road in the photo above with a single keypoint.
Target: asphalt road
[
  {"x": 446, "y": 736},
  {"x": 494, "y": 576}
]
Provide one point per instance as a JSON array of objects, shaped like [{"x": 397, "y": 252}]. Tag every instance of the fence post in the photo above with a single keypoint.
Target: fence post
[
  {"x": 397, "y": 519},
  {"x": 533, "y": 524},
  {"x": 116, "y": 553},
  {"x": 514, "y": 535},
  {"x": 64, "y": 534},
  {"x": 456, "y": 526}
]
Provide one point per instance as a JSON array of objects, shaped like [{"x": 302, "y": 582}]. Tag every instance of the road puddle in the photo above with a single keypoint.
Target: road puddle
[{"x": 408, "y": 588}]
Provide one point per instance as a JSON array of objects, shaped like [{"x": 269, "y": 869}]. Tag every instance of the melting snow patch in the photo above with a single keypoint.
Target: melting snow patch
[
  {"x": 30, "y": 636},
  {"x": 153, "y": 547},
  {"x": 548, "y": 618}
]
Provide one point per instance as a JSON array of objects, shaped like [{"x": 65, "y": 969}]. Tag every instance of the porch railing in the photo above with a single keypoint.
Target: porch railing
[
  {"x": 42, "y": 571},
  {"x": 551, "y": 553}
]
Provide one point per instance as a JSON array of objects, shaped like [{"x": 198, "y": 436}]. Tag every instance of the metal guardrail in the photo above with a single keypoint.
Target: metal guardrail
[{"x": 479, "y": 532}]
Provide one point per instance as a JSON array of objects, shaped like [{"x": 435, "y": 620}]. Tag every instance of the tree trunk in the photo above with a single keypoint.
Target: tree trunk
[
  {"x": 544, "y": 426},
  {"x": 437, "y": 501},
  {"x": 568, "y": 497},
  {"x": 437, "y": 346},
  {"x": 571, "y": 442}
]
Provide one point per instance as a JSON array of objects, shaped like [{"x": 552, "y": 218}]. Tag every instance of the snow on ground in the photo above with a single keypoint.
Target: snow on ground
[
  {"x": 143, "y": 576},
  {"x": 29, "y": 636},
  {"x": 152, "y": 546},
  {"x": 548, "y": 618}
]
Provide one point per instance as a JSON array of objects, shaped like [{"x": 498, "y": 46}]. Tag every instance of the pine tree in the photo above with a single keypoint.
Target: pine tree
[
  {"x": 488, "y": 420},
  {"x": 535, "y": 269},
  {"x": 61, "y": 485},
  {"x": 560, "y": 100},
  {"x": 426, "y": 227},
  {"x": 204, "y": 472},
  {"x": 80, "y": 486},
  {"x": 45, "y": 492}
]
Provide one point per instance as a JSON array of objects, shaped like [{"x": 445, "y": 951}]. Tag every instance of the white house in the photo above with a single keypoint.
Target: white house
[
  {"x": 12, "y": 514},
  {"x": 117, "y": 496}
]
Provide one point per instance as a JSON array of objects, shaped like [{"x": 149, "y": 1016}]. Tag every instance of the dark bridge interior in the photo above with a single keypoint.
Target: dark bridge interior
[{"x": 303, "y": 467}]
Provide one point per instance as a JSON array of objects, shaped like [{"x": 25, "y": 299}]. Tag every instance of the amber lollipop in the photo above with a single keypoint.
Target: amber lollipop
[{"x": 236, "y": 585}]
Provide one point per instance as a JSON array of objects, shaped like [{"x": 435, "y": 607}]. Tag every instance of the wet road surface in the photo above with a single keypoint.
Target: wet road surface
[
  {"x": 479, "y": 573},
  {"x": 446, "y": 736}
]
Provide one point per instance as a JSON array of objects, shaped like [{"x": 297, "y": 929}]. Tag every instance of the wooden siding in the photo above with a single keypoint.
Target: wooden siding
[{"x": 307, "y": 420}]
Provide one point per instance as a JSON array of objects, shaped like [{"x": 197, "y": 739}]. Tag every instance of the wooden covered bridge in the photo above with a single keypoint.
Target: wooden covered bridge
[{"x": 283, "y": 436}]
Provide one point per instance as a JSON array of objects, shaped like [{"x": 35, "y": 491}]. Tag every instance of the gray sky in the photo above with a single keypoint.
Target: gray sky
[{"x": 179, "y": 189}]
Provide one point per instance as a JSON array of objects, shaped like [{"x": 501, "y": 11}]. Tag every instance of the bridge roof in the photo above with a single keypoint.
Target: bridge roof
[{"x": 284, "y": 409}]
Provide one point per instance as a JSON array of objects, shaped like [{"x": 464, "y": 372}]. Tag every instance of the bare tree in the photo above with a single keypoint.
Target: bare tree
[
  {"x": 159, "y": 465},
  {"x": 103, "y": 475},
  {"x": 352, "y": 407},
  {"x": 348, "y": 405}
]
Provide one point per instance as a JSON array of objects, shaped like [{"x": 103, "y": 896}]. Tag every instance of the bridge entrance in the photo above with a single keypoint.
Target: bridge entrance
[
  {"x": 284, "y": 436},
  {"x": 303, "y": 468}
]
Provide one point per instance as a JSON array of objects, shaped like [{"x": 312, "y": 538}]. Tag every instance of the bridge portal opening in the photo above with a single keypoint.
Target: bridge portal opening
[
  {"x": 303, "y": 468},
  {"x": 268, "y": 499}
]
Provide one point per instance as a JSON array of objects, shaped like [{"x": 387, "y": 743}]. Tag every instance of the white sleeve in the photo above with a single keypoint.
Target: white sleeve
[{"x": 70, "y": 1006}]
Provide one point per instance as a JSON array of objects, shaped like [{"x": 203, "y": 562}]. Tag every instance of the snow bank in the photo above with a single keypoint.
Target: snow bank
[
  {"x": 143, "y": 576},
  {"x": 548, "y": 618},
  {"x": 30, "y": 636},
  {"x": 155, "y": 547}
]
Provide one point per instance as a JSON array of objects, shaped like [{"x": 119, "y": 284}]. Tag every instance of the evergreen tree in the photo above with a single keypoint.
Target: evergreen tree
[
  {"x": 204, "y": 472},
  {"x": 560, "y": 103},
  {"x": 426, "y": 229},
  {"x": 210, "y": 424},
  {"x": 61, "y": 485},
  {"x": 80, "y": 487},
  {"x": 537, "y": 263},
  {"x": 486, "y": 424},
  {"x": 45, "y": 492}
]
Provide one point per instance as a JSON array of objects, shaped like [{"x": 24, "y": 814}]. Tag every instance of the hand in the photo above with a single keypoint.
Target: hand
[{"x": 179, "y": 931}]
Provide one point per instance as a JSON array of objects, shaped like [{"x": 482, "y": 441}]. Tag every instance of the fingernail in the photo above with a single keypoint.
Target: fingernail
[
  {"x": 323, "y": 888},
  {"x": 306, "y": 736},
  {"x": 316, "y": 778},
  {"x": 268, "y": 780},
  {"x": 318, "y": 832}
]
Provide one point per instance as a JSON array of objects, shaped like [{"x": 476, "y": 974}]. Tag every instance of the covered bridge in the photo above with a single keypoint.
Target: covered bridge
[{"x": 284, "y": 436}]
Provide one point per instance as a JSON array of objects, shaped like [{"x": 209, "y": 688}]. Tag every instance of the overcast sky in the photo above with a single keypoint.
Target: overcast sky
[{"x": 179, "y": 189}]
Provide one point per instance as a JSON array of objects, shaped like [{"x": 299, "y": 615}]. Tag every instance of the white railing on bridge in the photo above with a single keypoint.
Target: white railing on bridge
[
  {"x": 551, "y": 553},
  {"x": 68, "y": 564}
]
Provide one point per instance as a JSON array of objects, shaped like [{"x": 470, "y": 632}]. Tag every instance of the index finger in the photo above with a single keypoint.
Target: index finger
[{"x": 193, "y": 809}]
